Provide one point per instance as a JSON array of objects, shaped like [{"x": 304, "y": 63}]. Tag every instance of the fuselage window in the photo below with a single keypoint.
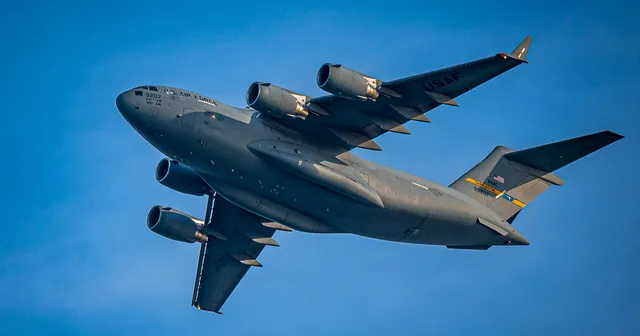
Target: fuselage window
[{"x": 138, "y": 93}]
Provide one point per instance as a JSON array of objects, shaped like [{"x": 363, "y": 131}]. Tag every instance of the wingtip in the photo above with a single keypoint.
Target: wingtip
[{"x": 616, "y": 136}]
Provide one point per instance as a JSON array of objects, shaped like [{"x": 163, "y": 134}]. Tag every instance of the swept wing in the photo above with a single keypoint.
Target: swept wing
[{"x": 356, "y": 122}]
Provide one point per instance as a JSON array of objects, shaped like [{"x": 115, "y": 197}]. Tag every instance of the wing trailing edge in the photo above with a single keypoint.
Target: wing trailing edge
[
  {"x": 266, "y": 241},
  {"x": 277, "y": 226},
  {"x": 421, "y": 118},
  {"x": 357, "y": 140},
  {"x": 442, "y": 99},
  {"x": 390, "y": 125},
  {"x": 410, "y": 113},
  {"x": 247, "y": 260}
]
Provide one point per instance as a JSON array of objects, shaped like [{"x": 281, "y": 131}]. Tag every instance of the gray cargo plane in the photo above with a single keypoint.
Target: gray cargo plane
[{"x": 284, "y": 163}]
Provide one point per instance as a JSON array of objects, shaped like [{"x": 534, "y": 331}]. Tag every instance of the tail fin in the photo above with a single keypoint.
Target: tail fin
[{"x": 507, "y": 180}]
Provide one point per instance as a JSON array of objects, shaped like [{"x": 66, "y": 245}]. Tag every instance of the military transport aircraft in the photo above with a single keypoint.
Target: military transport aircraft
[{"x": 284, "y": 163}]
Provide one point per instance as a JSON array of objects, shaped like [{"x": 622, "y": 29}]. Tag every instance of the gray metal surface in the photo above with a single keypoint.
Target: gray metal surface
[{"x": 290, "y": 168}]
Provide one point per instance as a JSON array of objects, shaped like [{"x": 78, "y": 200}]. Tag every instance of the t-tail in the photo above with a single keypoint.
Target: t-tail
[{"x": 507, "y": 180}]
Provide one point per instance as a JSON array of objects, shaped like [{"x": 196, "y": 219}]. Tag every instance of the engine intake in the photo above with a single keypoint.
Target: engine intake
[
  {"x": 342, "y": 81},
  {"x": 181, "y": 178},
  {"x": 175, "y": 225},
  {"x": 268, "y": 98}
]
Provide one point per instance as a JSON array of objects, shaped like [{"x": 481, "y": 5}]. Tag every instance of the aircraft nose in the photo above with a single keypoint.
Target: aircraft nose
[
  {"x": 122, "y": 102},
  {"x": 125, "y": 102}
]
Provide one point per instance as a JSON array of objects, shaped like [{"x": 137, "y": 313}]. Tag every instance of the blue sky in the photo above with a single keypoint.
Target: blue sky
[{"x": 77, "y": 258}]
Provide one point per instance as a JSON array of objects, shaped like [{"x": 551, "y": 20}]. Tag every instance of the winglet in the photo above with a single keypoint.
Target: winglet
[{"x": 521, "y": 51}]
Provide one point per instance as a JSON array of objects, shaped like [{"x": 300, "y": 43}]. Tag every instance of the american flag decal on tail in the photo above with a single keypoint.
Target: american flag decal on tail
[{"x": 498, "y": 178}]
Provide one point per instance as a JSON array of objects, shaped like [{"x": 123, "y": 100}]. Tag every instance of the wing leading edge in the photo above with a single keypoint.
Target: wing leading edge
[{"x": 355, "y": 123}]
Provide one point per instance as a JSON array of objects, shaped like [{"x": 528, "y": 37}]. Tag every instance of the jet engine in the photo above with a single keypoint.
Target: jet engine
[
  {"x": 341, "y": 81},
  {"x": 180, "y": 178},
  {"x": 268, "y": 98},
  {"x": 175, "y": 225}
]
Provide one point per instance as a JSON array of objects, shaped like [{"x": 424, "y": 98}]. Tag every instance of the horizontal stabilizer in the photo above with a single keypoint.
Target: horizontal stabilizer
[
  {"x": 247, "y": 260},
  {"x": 266, "y": 241},
  {"x": 548, "y": 158},
  {"x": 277, "y": 226},
  {"x": 442, "y": 99}
]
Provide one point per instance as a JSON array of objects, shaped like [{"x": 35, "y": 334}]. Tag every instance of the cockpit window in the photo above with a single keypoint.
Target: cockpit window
[
  {"x": 153, "y": 88},
  {"x": 138, "y": 93}
]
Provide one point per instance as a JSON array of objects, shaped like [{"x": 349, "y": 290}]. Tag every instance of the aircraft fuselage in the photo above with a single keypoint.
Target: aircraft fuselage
[{"x": 277, "y": 174}]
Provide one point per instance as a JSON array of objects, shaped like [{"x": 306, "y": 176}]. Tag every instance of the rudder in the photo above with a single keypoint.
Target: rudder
[{"x": 507, "y": 180}]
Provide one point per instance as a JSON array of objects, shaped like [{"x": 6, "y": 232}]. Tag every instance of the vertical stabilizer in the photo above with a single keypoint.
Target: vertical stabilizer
[{"x": 507, "y": 180}]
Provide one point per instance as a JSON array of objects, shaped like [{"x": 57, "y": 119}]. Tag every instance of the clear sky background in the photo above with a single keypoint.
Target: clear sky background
[{"x": 77, "y": 258}]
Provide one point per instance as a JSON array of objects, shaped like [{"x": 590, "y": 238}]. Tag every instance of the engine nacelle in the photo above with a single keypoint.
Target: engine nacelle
[
  {"x": 268, "y": 98},
  {"x": 341, "y": 81},
  {"x": 175, "y": 225},
  {"x": 181, "y": 178}
]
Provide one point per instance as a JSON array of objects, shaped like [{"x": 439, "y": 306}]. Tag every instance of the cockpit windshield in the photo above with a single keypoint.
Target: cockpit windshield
[{"x": 152, "y": 88}]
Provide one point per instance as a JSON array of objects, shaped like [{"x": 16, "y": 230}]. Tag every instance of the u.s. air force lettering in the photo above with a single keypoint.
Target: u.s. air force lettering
[{"x": 442, "y": 82}]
